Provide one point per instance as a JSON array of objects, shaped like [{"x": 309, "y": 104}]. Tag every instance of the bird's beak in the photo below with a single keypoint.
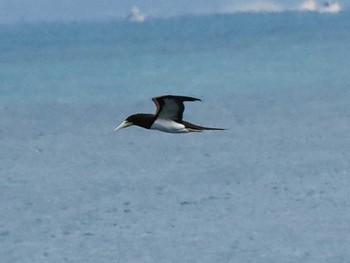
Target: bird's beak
[{"x": 123, "y": 125}]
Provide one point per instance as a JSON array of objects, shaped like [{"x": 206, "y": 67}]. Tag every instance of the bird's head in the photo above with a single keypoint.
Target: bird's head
[{"x": 140, "y": 119}]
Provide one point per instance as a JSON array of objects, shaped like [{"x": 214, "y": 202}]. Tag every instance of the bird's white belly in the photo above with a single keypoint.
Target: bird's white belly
[{"x": 168, "y": 126}]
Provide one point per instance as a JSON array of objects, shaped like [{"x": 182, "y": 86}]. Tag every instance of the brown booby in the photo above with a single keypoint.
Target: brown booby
[{"x": 168, "y": 117}]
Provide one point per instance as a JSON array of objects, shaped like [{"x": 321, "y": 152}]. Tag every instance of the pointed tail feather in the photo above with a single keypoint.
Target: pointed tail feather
[
  {"x": 213, "y": 129},
  {"x": 194, "y": 127}
]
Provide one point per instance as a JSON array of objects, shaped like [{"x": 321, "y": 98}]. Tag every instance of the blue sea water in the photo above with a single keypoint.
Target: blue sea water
[
  {"x": 219, "y": 53},
  {"x": 271, "y": 188}
]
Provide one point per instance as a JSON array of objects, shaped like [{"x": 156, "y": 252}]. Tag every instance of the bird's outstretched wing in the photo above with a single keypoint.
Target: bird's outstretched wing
[{"x": 171, "y": 107}]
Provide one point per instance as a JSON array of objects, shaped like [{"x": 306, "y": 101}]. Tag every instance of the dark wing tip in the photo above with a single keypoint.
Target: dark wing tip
[{"x": 176, "y": 97}]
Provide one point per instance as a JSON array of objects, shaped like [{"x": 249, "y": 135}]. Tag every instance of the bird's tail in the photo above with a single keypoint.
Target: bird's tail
[
  {"x": 213, "y": 129},
  {"x": 197, "y": 128}
]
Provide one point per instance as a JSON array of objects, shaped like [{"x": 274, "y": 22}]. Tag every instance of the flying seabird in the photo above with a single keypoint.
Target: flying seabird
[{"x": 168, "y": 117}]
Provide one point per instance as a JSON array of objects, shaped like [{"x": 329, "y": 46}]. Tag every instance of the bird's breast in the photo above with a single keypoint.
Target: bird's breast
[{"x": 170, "y": 126}]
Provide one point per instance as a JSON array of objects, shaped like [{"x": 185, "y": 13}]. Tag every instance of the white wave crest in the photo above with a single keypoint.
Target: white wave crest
[
  {"x": 136, "y": 15},
  {"x": 325, "y": 7},
  {"x": 257, "y": 6}
]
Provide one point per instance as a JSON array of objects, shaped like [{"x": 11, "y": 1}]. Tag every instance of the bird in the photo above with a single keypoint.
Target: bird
[{"x": 168, "y": 117}]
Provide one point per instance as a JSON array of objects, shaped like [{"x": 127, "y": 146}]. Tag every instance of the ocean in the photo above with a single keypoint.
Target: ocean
[
  {"x": 219, "y": 53},
  {"x": 273, "y": 187}
]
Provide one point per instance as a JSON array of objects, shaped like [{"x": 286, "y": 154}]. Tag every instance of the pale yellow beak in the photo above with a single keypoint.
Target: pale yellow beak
[{"x": 123, "y": 125}]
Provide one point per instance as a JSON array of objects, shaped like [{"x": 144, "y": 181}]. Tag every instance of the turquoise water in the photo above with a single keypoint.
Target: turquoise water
[{"x": 193, "y": 55}]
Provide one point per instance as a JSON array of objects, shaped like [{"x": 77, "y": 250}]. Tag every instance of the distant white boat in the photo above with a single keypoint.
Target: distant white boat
[
  {"x": 136, "y": 16},
  {"x": 325, "y": 7}
]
